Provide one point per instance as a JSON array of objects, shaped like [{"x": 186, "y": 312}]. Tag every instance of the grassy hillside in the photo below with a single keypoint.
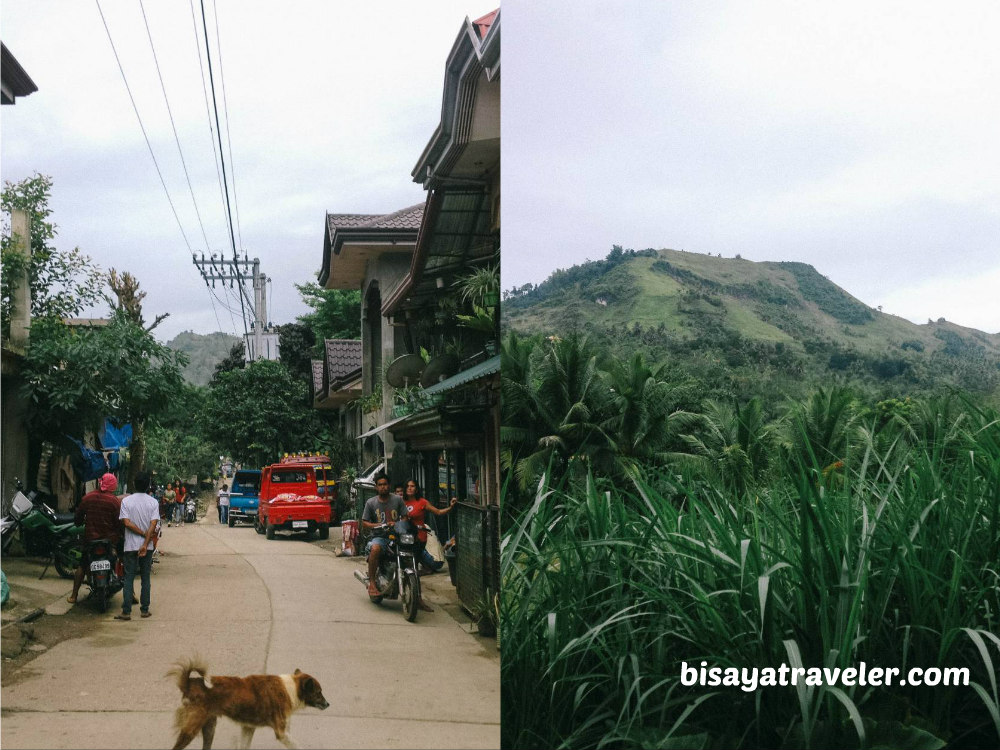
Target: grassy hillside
[
  {"x": 760, "y": 320},
  {"x": 205, "y": 351}
]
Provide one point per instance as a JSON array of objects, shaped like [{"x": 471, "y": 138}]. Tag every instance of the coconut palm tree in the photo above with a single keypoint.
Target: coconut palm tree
[
  {"x": 734, "y": 443},
  {"x": 554, "y": 408},
  {"x": 643, "y": 420}
]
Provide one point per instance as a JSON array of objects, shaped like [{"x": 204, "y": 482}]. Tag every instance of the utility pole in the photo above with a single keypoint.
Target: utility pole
[{"x": 237, "y": 272}]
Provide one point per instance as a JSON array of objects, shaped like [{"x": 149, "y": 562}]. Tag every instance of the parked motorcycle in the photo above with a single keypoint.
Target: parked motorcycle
[
  {"x": 190, "y": 508},
  {"x": 105, "y": 573},
  {"x": 397, "y": 572},
  {"x": 43, "y": 533}
]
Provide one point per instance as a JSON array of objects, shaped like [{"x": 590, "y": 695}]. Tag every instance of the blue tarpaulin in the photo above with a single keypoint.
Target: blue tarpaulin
[
  {"x": 88, "y": 463},
  {"x": 112, "y": 437}
]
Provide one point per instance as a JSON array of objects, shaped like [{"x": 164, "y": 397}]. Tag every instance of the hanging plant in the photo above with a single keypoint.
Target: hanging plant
[{"x": 481, "y": 287}]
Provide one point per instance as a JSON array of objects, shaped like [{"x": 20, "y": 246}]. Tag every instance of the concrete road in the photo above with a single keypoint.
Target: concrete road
[{"x": 251, "y": 606}]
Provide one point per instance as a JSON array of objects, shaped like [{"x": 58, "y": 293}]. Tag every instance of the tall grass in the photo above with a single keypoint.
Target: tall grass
[{"x": 893, "y": 561}]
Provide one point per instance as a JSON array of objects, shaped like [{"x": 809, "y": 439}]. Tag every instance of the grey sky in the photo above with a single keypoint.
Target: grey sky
[
  {"x": 858, "y": 137},
  {"x": 330, "y": 105}
]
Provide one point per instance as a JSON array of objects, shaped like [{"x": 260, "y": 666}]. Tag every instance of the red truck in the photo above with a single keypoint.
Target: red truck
[{"x": 290, "y": 501}]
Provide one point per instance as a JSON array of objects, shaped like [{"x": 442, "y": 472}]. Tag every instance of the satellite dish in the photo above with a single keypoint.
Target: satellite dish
[
  {"x": 404, "y": 370},
  {"x": 438, "y": 369}
]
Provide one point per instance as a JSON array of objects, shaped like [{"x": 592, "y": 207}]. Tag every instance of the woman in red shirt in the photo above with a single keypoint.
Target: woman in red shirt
[{"x": 416, "y": 508}]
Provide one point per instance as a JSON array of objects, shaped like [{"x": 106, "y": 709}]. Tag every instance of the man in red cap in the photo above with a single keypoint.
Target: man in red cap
[{"x": 98, "y": 511}]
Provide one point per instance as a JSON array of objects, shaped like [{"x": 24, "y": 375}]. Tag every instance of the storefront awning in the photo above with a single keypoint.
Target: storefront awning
[
  {"x": 489, "y": 367},
  {"x": 383, "y": 426}
]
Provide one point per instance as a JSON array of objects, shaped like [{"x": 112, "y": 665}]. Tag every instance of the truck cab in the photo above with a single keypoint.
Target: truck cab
[
  {"x": 290, "y": 501},
  {"x": 244, "y": 496},
  {"x": 326, "y": 481}
]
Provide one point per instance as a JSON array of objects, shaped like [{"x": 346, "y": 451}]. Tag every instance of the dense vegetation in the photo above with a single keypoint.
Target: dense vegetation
[
  {"x": 647, "y": 526},
  {"x": 735, "y": 326}
]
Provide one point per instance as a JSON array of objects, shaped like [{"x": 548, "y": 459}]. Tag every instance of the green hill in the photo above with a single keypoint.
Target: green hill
[
  {"x": 205, "y": 351},
  {"x": 752, "y": 320}
]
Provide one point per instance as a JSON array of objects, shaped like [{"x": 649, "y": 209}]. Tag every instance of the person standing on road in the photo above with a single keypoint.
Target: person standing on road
[
  {"x": 169, "y": 498},
  {"x": 140, "y": 513},
  {"x": 179, "y": 503},
  {"x": 99, "y": 512},
  {"x": 224, "y": 504},
  {"x": 384, "y": 508}
]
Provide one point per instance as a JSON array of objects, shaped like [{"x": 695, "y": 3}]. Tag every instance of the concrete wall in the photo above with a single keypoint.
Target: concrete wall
[{"x": 386, "y": 272}]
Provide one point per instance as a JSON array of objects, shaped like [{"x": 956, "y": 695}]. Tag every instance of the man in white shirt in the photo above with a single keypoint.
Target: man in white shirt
[
  {"x": 224, "y": 504},
  {"x": 141, "y": 515}
]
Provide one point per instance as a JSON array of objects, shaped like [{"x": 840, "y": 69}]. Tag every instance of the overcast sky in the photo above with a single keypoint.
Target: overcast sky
[
  {"x": 859, "y": 137},
  {"x": 330, "y": 104}
]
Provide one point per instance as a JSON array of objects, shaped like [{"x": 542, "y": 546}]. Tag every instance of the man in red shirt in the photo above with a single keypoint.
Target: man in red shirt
[{"x": 98, "y": 511}]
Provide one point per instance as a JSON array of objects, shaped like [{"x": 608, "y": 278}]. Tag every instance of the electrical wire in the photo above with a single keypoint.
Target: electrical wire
[
  {"x": 173, "y": 126},
  {"x": 142, "y": 127},
  {"x": 208, "y": 116},
  {"x": 225, "y": 112},
  {"x": 215, "y": 105}
]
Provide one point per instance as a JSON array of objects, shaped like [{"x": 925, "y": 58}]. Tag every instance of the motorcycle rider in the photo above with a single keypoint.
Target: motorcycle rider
[
  {"x": 98, "y": 511},
  {"x": 384, "y": 508}
]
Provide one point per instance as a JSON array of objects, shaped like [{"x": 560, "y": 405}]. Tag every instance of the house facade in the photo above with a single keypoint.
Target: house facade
[{"x": 430, "y": 365}]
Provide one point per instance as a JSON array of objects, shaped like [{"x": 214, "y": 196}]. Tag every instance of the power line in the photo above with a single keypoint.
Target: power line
[
  {"x": 142, "y": 127},
  {"x": 173, "y": 126},
  {"x": 215, "y": 105},
  {"x": 208, "y": 115},
  {"x": 225, "y": 111}
]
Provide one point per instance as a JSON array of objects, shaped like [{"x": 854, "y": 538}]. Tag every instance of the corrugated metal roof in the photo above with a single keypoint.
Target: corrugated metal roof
[
  {"x": 489, "y": 367},
  {"x": 382, "y": 427}
]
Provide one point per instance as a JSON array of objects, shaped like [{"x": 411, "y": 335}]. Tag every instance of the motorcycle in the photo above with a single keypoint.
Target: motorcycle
[
  {"x": 43, "y": 533},
  {"x": 104, "y": 573},
  {"x": 397, "y": 572},
  {"x": 190, "y": 508}
]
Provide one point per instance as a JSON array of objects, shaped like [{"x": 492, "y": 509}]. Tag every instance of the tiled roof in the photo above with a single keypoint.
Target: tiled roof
[
  {"x": 317, "y": 373},
  {"x": 406, "y": 218},
  {"x": 343, "y": 358}
]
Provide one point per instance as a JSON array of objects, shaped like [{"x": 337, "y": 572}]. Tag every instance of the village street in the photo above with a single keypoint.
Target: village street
[{"x": 250, "y": 606}]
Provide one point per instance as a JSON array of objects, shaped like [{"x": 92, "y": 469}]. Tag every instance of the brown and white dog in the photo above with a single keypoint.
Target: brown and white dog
[{"x": 260, "y": 700}]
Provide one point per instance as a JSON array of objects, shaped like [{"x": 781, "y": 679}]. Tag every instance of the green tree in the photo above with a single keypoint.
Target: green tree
[
  {"x": 76, "y": 376},
  {"x": 176, "y": 445},
  {"x": 296, "y": 342},
  {"x": 560, "y": 403},
  {"x": 643, "y": 415},
  {"x": 235, "y": 360},
  {"x": 63, "y": 282},
  {"x": 734, "y": 443},
  {"x": 336, "y": 314},
  {"x": 259, "y": 412}
]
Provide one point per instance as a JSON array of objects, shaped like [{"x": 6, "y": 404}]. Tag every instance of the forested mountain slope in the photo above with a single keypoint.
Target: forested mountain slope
[{"x": 770, "y": 320}]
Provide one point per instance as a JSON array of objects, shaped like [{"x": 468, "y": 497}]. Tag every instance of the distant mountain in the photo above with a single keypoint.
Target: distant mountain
[
  {"x": 205, "y": 351},
  {"x": 771, "y": 317}
]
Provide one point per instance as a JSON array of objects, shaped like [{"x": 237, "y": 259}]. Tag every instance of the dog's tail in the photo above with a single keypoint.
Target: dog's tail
[{"x": 182, "y": 672}]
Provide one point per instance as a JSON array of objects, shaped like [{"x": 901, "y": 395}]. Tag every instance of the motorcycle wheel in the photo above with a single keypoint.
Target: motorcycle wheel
[
  {"x": 410, "y": 596},
  {"x": 66, "y": 558},
  {"x": 103, "y": 596}
]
